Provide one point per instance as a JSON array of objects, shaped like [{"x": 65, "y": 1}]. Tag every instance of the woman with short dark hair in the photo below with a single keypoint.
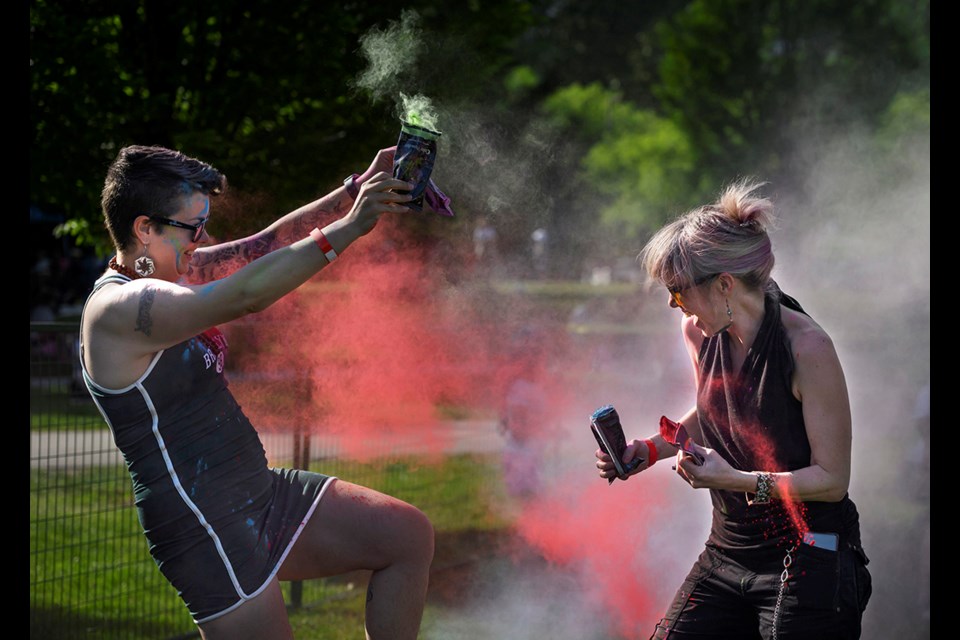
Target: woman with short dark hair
[{"x": 222, "y": 526}]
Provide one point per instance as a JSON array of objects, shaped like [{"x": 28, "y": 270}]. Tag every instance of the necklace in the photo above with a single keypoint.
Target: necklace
[{"x": 122, "y": 270}]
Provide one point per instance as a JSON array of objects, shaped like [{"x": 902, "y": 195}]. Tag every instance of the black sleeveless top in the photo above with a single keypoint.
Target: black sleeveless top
[{"x": 753, "y": 420}]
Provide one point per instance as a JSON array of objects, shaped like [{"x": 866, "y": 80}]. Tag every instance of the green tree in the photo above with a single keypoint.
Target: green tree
[
  {"x": 264, "y": 90},
  {"x": 644, "y": 164}
]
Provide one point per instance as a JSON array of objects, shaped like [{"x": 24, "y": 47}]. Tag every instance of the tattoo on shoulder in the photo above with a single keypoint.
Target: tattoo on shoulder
[{"x": 144, "y": 321}]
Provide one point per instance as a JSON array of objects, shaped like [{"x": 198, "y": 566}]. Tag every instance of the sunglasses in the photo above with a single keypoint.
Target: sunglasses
[
  {"x": 677, "y": 292},
  {"x": 196, "y": 228}
]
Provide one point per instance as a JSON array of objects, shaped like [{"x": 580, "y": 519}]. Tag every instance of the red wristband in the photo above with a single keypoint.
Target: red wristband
[
  {"x": 651, "y": 452},
  {"x": 324, "y": 244}
]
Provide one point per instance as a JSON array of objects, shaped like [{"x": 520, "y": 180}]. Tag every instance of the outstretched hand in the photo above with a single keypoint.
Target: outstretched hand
[
  {"x": 377, "y": 196},
  {"x": 383, "y": 162}
]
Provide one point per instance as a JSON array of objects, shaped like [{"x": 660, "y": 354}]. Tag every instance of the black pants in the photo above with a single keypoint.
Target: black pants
[{"x": 824, "y": 598}]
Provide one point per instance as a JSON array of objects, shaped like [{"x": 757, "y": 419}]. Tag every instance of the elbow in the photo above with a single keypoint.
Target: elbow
[
  {"x": 252, "y": 301},
  {"x": 253, "y": 306},
  {"x": 835, "y": 495},
  {"x": 837, "y": 490}
]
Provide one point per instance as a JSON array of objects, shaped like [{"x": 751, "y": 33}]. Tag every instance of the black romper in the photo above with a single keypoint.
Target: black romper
[{"x": 219, "y": 522}]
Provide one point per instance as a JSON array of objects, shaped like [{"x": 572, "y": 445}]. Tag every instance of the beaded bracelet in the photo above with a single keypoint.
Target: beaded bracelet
[{"x": 765, "y": 484}]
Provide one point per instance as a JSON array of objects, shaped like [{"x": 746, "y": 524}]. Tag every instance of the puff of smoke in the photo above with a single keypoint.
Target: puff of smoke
[
  {"x": 418, "y": 110},
  {"x": 391, "y": 54}
]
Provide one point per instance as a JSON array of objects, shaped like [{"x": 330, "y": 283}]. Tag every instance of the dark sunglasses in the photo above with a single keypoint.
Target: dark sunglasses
[
  {"x": 677, "y": 292},
  {"x": 196, "y": 228}
]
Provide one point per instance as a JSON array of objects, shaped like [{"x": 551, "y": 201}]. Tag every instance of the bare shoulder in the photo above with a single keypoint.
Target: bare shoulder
[
  {"x": 817, "y": 366},
  {"x": 115, "y": 306},
  {"x": 808, "y": 340}
]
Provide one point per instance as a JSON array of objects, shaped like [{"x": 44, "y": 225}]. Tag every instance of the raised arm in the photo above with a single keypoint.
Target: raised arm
[
  {"x": 220, "y": 260},
  {"x": 147, "y": 315}
]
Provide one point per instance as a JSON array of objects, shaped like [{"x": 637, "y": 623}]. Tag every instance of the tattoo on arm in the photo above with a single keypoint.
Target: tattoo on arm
[
  {"x": 144, "y": 321},
  {"x": 223, "y": 259},
  {"x": 219, "y": 261}
]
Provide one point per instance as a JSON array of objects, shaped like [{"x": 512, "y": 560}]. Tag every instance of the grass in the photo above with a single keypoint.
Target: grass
[{"x": 91, "y": 575}]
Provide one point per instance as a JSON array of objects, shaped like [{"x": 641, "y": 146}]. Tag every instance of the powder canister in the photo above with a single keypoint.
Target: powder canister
[
  {"x": 606, "y": 428},
  {"x": 414, "y": 159}
]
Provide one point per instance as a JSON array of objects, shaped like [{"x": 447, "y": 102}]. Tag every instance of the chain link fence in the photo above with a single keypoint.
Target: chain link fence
[{"x": 91, "y": 574}]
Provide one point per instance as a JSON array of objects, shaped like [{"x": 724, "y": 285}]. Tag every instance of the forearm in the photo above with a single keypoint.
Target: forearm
[
  {"x": 219, "y": 261},
  {"x": 267, "y": 279},
  {"x": 809, "y": 484}
]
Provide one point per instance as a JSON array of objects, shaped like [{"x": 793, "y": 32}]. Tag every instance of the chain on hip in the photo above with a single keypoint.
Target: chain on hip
[{"x": 787, "y": 562}]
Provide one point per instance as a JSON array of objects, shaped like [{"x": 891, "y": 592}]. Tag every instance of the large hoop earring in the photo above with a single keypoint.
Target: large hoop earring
[{"x": 144, "y": 265}]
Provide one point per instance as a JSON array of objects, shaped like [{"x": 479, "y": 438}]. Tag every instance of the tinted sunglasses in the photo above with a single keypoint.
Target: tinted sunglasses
[
  {"x": 677, "y": 292},
  {"x": 196, "y": 228}
]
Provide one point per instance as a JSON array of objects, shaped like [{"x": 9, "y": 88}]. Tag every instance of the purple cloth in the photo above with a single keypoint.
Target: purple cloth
[{"x": 437, "y": 200}]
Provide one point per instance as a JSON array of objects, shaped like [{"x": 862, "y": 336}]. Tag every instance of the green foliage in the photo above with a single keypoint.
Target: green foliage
[
  {"x": 747, "y": 78},
  {"x": 643, "y": 162},
  {"x": 520, "y": 80},
  {"x": 265, "y": 93},
  {"x": 664, "y": 102},
  {"x": 83, "y": 235},
  {"x": 907, "y": 116}
]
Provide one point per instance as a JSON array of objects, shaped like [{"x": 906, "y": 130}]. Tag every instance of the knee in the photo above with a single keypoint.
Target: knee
[{"x": 416, "y": 535}]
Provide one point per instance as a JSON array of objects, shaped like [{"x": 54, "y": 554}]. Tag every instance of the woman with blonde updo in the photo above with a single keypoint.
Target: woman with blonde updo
[{"x": 770, "y": 438}]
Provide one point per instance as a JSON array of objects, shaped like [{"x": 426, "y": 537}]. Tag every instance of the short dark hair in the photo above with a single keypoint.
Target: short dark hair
[{"x": 146, "y": 180}]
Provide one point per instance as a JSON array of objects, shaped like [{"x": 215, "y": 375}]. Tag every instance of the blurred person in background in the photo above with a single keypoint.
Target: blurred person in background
[{"x": 770, "y": 438}]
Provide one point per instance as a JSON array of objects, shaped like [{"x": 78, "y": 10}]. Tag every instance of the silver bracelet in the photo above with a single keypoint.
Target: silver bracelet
[{"x": 765, "y": 484}]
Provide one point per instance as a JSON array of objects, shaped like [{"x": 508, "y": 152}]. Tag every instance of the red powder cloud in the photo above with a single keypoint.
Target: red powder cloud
[
  {"x": 379, "y": 344},
  {"x": 603, "y": 531}
]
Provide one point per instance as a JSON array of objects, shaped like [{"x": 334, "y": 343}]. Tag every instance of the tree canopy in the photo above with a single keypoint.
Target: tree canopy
[{"x": 631, "y": 112}]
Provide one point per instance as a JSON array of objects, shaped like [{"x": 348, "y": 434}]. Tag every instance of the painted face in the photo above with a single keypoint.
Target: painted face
[{"x": 186, "y": 231}]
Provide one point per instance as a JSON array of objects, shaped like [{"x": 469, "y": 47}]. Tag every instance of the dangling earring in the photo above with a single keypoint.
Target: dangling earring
[
  {"x": 729, "y": 312},
  {"x": 144, "y": 265}
]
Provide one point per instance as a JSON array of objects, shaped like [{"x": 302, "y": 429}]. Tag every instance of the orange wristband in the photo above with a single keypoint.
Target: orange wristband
[
  {"x": 651, "y": 452},
  {"x": 324, "y": 244}
]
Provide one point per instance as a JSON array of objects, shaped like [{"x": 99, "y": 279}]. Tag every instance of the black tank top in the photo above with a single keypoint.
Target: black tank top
[{"x": 753, "y": 420}]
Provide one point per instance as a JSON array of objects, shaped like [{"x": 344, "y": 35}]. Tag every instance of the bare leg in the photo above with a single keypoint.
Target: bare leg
[
  {"x": 355, "y": 528},
  {"x": 262, "y": 617}
]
